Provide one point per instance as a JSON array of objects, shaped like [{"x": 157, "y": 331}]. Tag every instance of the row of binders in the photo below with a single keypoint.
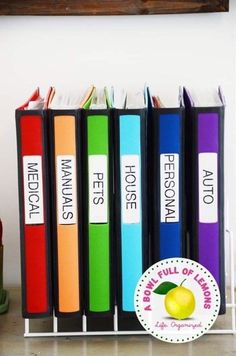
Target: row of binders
[{"x": 109, "y": 184}]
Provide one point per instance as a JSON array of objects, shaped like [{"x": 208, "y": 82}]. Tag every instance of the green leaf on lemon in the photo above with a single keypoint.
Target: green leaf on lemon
[{"x": 164, "y": 288}]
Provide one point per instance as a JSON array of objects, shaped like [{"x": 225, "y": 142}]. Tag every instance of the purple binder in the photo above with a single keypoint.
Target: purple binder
[
  {"x": 208, "y": 232},
  {"x": 205, "y": 187}
]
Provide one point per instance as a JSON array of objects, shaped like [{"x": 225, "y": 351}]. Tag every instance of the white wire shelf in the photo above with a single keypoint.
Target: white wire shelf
[{"x": 230, "y": 327}]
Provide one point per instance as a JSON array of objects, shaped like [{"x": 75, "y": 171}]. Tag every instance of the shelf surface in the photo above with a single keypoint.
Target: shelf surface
[{"x": 110, "y": 7}]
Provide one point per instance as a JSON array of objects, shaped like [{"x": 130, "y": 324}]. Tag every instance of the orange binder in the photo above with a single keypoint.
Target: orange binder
[{"x": 67, "y": 223}]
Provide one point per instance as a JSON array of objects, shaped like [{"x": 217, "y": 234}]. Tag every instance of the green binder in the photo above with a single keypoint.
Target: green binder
[{"x": 98, "y": 193}]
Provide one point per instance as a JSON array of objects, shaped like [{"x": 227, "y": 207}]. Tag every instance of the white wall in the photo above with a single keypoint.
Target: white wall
[{"x": 198, "y": 51}]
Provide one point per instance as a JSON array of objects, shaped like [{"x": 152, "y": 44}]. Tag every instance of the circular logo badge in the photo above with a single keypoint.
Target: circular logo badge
[{"x": 177, "y": 300}]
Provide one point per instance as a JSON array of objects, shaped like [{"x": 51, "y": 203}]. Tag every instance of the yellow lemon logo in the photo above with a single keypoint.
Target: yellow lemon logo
[{"x": 179, "y": 301}]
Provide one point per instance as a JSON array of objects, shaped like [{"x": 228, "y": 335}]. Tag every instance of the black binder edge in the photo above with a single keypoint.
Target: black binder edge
[{"x": 45, "y": 159}]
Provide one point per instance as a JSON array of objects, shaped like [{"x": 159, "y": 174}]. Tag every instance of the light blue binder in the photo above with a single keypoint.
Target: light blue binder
[{"x": 131, "y": 233}]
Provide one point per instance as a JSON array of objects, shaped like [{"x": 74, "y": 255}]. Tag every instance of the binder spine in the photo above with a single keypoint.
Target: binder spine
[
  {"x": 35, "y": 233},
  {"x": 130, "y": 196},
  {"x": 167, "y": 184},
  {"x": 221, "y": 211},
  {"x": 208, "y": 212},
  {"x": 98, "y": 212},
  {"x": 67, "y": 236}
]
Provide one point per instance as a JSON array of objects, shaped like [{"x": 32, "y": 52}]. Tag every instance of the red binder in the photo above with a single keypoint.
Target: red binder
[{"x": 31, "y": 127}]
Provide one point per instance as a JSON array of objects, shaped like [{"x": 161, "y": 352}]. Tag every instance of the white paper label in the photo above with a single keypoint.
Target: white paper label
[
  {"x": 208, "y": 188},
  {"x": 98, "y": 189},
  {"x": 130, "y": 189},
  {"x": 169, "y": 187},
  {"x": 33, "y": 190},
  {"x": 66, "y": 190}
]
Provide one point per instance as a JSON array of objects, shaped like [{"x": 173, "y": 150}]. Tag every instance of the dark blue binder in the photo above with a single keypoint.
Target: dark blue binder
[
  {"x": 166, "y": 181},
  {"x": 170, "y": 156}
]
